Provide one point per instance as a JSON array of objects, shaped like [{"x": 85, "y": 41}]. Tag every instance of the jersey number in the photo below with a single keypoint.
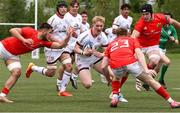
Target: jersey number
[{"x": 121, "y": 44}]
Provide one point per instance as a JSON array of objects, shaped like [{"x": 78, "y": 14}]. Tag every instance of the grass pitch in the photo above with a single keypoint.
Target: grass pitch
[{"x": 38, "y": 93}]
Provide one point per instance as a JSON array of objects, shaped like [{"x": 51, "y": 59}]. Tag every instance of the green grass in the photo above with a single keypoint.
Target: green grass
[{"x": 38, "y": 93}]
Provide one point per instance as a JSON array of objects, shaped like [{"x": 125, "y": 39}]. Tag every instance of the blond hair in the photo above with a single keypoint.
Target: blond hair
[{"x": 98, "y": 18}]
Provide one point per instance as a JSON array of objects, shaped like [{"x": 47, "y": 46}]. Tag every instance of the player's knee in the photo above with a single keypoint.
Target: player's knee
[
  {"x": 168, "y": 62},
  {"x": 16, "y": 72},
  {"x": 154, "y": 58},
  {"x": 88, "y": 86},
  {"x": 68, "y": 67},
  {"x": 50, "y": 72}
]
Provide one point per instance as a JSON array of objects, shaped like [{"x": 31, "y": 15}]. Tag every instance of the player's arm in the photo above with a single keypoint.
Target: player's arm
[
  {"x": 175, "y": 23},
  {"x": 99, "y": 54},
  {"x": 60, "y": 44},
  {"x": 78, "y": 50},
  {"x": 174, "y": 34},
  {"x": 135, "y": 34},
  {"x": 104, "y": 66},
  {"x": 142, "y": 61},
  {"x": 16, "y": 32}
]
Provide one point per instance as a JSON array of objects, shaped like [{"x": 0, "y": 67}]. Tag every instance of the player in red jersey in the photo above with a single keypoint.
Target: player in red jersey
[
  {"x": 24, "y": 40},
  {"x": 148, "y": 30},
  {"x": 120, "y": 56}
]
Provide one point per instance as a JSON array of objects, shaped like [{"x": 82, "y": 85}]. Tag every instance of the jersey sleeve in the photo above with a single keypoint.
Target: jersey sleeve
[
  {"x": 139, "y": 25},
  {"x": 46, "y": 44},
  {"x": 136, "y": 43},
  {"x": 174, "y": 33},
  {"x": 115, "y": 22},
  {"x": 81, "y": 38},
  {"x": 27, "y": 32},
  {"x": 164, "y": 19}
]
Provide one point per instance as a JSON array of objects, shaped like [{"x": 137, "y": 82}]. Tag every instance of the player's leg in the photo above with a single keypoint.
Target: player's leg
[
  {"x": 14, "y": 67},
  {"x": 65, "y": 73},
  {"x": 158, "y": 88},
  {"x": 153, "y": 54},
  {"x": 48, "y": 71},
  {"x": 165, "y": 65},
  {"x": 116, "y": 85}
]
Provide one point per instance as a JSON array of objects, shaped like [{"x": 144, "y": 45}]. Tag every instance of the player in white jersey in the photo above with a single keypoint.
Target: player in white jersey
[
  {"x": 52, "y": 55},
  {"x": 85, "y": 25},
  {"x": 124, "y": 20},
  {"x": 86, "y": 50},
  {"x": 73, "y": 19}
]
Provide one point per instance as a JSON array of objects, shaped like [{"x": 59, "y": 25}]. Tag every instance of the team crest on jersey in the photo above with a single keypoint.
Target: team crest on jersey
[
  {"x": 98, "y": 39},
  {"x": 88, "y": 44},
  {"x": 145, "y": 28},
  {"x": 159, "y": 25}
]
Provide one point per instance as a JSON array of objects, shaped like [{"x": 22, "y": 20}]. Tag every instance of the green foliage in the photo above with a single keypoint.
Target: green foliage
[{"x": 14, "y": 10}]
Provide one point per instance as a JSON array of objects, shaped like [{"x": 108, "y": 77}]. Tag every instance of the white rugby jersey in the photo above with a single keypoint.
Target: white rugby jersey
[
  {"x": 75, "y": 22},
  {"x": 85, "y": 27},
  {"x": 122, "y": 22},
  {"x": 59, "y": 27},
  {"x": 86, "y": 39},
  {"x": 111, "y": 36}
]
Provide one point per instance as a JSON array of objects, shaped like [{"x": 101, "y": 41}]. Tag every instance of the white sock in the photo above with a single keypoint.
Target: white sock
[
  {"x": 2, "y": 94},
  {"x": 58, "y": 83},
  {"x": 41, "y": 70},
  {"x": 170, "y": 100},
  {"x": 65, "y": 80}
]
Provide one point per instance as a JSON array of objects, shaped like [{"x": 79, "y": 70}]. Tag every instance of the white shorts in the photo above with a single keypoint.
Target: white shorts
[
  {"x": 83, "y": 62},
  {"x": 4, "y": 54},
  {"x": 71, "y": 44},
  {"x": 134, "y": 69},
  {"x": 146, "y": 50},
  {"x": 53, "y": 55}
]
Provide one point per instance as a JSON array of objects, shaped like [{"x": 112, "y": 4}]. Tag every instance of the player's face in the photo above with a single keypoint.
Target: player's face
[
  {"x": 146, "y": 16},
  {"x": 98, "y": 27},
  {"x": 46, "y": 33},
  {"x": 74, "y": 9},
  {"x": 84, "y": 18},
  {"x": 62, "y": 10},
  {"x": 125, "y": 11}
]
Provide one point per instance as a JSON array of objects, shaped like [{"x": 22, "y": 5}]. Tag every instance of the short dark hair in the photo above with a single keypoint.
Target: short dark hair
[
  {"x": 73, "y": 2},
  {"x": 60, "y": 4},
  {"x": 45, "y": 26},
  {"x": 84, "y": 12},
  {"x": 125, "y": 6}
]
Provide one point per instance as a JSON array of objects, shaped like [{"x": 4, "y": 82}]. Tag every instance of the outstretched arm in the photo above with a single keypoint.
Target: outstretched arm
[
  {"x": 16, "y": 32},
  {"x": 60, "y": 44},
  {"x": 175, "y": 23}
]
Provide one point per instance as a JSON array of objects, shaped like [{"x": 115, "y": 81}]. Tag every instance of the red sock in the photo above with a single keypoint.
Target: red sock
[
  {"x": 115, "y": 87},
  {"x": 123, "y": 80},
  {"x": 161, "y": 91},
  {"x": 5, "y": 90}
]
